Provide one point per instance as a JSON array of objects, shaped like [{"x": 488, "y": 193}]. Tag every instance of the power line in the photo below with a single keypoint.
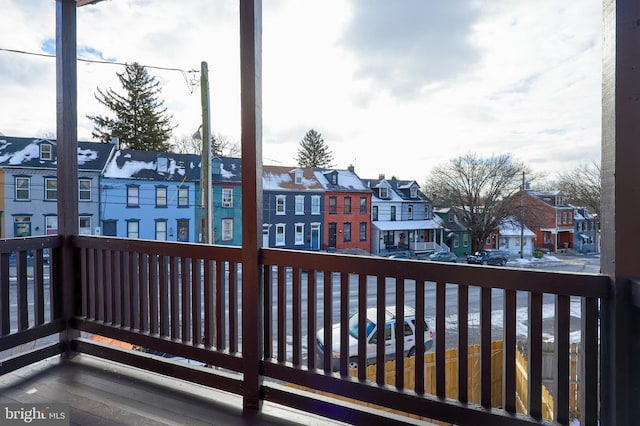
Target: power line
[{"x": 191, "y": 81}]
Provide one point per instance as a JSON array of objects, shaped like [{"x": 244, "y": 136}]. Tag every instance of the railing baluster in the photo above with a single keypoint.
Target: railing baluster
[
  {"x": 22, "y": 302},
  {"x": 420, "y": 343},
  {"x": 509, "y": 352},
  {"x": 125, "y": 260},
  {"x": 296, "y": 315},
  {"x": 534, "y": 348},
  {"x": 210, "y": 310},
  {"x": 561, "y": 357},
  {"x": 281, "y": 314},
  {"x": 38, "y": 288},
  {"x": 110, "y": 286},
  {"x": 5, "y": 302},
  {"x": 196, "y": 301},
  {"x": 362, "y": 327},
  {"x": 154, "y": 326},
  {"x": 220, "y": 305},
  {"x": 344, "y": 324},
  {"x": 463, "y": 343},
  {"x": 185, "y": 299},
  {"x": 85, "y": 280},
  {"x": 143, "y": 279},
  {"x": 174, "y": 286},
  {"x": 441, "y": 339},
  {"x": 312, "y": 322},
  {"x": 163, "y": 296},
  {"x": 328, "y": 320},
  {"x": 233, "y": 306},
  {"x": 268, "y": 311},
  {"x": 134, "y": 287},
  {"x": 399, "y": 332},
  {"x": 380, "y": 319},
  {"x": 92, "y": 300},
  {"x": 589, "y": 369},
  {"x": 485, "y": 346}
]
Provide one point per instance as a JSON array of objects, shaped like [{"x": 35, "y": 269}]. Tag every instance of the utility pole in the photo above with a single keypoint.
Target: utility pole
[{"x": 206, "y": 155}]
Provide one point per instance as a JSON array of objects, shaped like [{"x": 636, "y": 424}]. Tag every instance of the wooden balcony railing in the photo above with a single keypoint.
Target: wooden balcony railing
[{"x": 186, "y": 300}]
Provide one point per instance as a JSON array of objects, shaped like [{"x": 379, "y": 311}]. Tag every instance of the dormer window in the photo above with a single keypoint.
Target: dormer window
[
  {"x": 384, "y": 192},
  {"x": 46, "y": 152},
  {"x": 334, "y": 179},
  {"x": 162, "y": 163},
  {"x": 414, "y": 191},
  {"x": 216, "y": 166},
  {"x": 298, "y": 176}
]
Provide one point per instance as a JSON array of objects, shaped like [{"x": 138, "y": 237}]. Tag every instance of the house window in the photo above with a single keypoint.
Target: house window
[
  {"x": 393, "y": 213},
  {"x": 363, "y": 231},
  {"x": 23, "y": 188},
  {"x": 227, "y": 229},
  {"x": 133, "y": 228},
  {"x": 22, "y": 226},
  {"x": 299, "y": 234},
  {"x": 488, "y": 240},
  {"x": 46, "y": 153},
  {"x": 183, "y": 197},
  {"x": 384, "y": 193},
  {"x": 50, "y": 225},
  {"x": 227, "y": 197},
  {"x": 84, "y": 225},
  {"x": 280, "y": 204},
  {"x": 298, "y": 176},
  {"x": 133, "y": 196},
  {"x": 451, "y": 216},
  {"x": 363, "y": 205},
  {"x": 84, "y": 189},
  {"x": 465, "y": 240},
  {"x": 347, "y": 205},
  {"x": 456, "y": 241},
  {"x": 315, "y": 204},
  {"x": 427, "y": 212},
  {"x": 409, "y": 212},
  {"x": 161, "y": 197},
  {"x": 161, "y": 229},
  {"x": 299, "y": 204},
  {"x": 374, "y": 213},
  {"x": 414, "y": 192},
  {"x": 333, "y": 203},
  {"x": 334, "y": 179},
  {"x": 347, "y": 232},
  {"x": 280, "y": 234},
  {"x": 50, "y": 189}
]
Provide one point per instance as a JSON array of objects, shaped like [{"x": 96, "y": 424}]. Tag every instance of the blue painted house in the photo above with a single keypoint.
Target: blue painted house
[
  {"x": 293, "y": 204},
  {"x": 226, "y": 182},
  {"x": 29, "y": 186},
  {"x": 151, "y": 195}
]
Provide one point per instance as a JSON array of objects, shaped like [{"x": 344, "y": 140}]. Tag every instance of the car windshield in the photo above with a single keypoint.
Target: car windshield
[{"x": 353, "y": 326}]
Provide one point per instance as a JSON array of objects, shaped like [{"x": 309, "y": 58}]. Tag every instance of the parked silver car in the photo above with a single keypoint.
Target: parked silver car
[{"x": 371, "y": 329}]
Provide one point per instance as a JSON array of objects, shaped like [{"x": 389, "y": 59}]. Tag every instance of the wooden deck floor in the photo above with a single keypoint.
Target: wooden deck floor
[{"x": 100, "y": 392}]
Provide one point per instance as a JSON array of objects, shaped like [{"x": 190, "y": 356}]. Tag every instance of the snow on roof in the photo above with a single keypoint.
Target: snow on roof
[{"x": 279, "y": 178}]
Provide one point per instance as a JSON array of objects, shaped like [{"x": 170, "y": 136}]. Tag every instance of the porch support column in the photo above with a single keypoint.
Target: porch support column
[
  {"x": 251, "y": 140},
  {"x": 65, "y": 271},
  {"x": 620, "y": 320}
]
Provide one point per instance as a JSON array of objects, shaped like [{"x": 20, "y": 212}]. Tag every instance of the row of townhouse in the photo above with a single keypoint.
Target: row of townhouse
[{"x": 149, "y": 195}]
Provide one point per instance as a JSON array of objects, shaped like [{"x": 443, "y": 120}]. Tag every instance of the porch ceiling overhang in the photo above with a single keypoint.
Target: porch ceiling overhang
[{"x": 405, "y": 225}]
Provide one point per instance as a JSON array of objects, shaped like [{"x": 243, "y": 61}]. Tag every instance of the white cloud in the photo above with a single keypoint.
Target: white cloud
[{"x": 486, "y": 76}]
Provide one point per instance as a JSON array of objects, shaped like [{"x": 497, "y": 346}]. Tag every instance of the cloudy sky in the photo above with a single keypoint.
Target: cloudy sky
[{"x": 394, "y": 87}]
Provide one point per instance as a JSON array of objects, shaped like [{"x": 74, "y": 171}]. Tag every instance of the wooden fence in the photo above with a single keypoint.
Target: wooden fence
[{"x": 451, "y": 367}]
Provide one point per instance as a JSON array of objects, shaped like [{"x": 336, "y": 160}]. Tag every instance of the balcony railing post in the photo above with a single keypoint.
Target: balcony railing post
[
  {"x": 620, "y": 322},
  {"x": 251, "y": 139},
  {"x": 67, "y": 157}
]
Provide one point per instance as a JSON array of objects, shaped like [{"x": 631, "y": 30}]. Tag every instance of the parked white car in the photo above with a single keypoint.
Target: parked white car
[{"x": 371, "y": 329}]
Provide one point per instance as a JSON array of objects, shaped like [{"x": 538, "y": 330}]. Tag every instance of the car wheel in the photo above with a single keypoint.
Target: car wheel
[
  {"x": 411, "y": 352},
  {"x": 353, "y": 363}
]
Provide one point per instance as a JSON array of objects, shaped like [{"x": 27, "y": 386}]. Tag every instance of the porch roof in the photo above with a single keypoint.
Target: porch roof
[{"x": 403, "y": 225}]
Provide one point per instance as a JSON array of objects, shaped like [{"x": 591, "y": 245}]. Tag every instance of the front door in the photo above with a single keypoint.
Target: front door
[
  {"x": 332, "y": 235},
  {"x": 315, "y": 237},
  {"x": 183, "y": 230}
]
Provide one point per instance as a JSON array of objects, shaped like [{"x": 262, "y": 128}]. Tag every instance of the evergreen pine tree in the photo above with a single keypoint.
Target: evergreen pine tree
[
  {"x": 140, "y": 123},
  {"x": 313, "y": 152}
]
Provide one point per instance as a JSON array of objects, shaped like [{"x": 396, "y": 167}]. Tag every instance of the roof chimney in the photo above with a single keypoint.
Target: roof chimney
[
  {"x": 351, "y": 168},
  {"x": 381, "y": 176}
]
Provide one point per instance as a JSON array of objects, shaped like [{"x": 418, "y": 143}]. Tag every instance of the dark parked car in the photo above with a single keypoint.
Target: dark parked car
[
  {"x": 489, "y": 257},
  {"x": 443, "y": 256}
]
